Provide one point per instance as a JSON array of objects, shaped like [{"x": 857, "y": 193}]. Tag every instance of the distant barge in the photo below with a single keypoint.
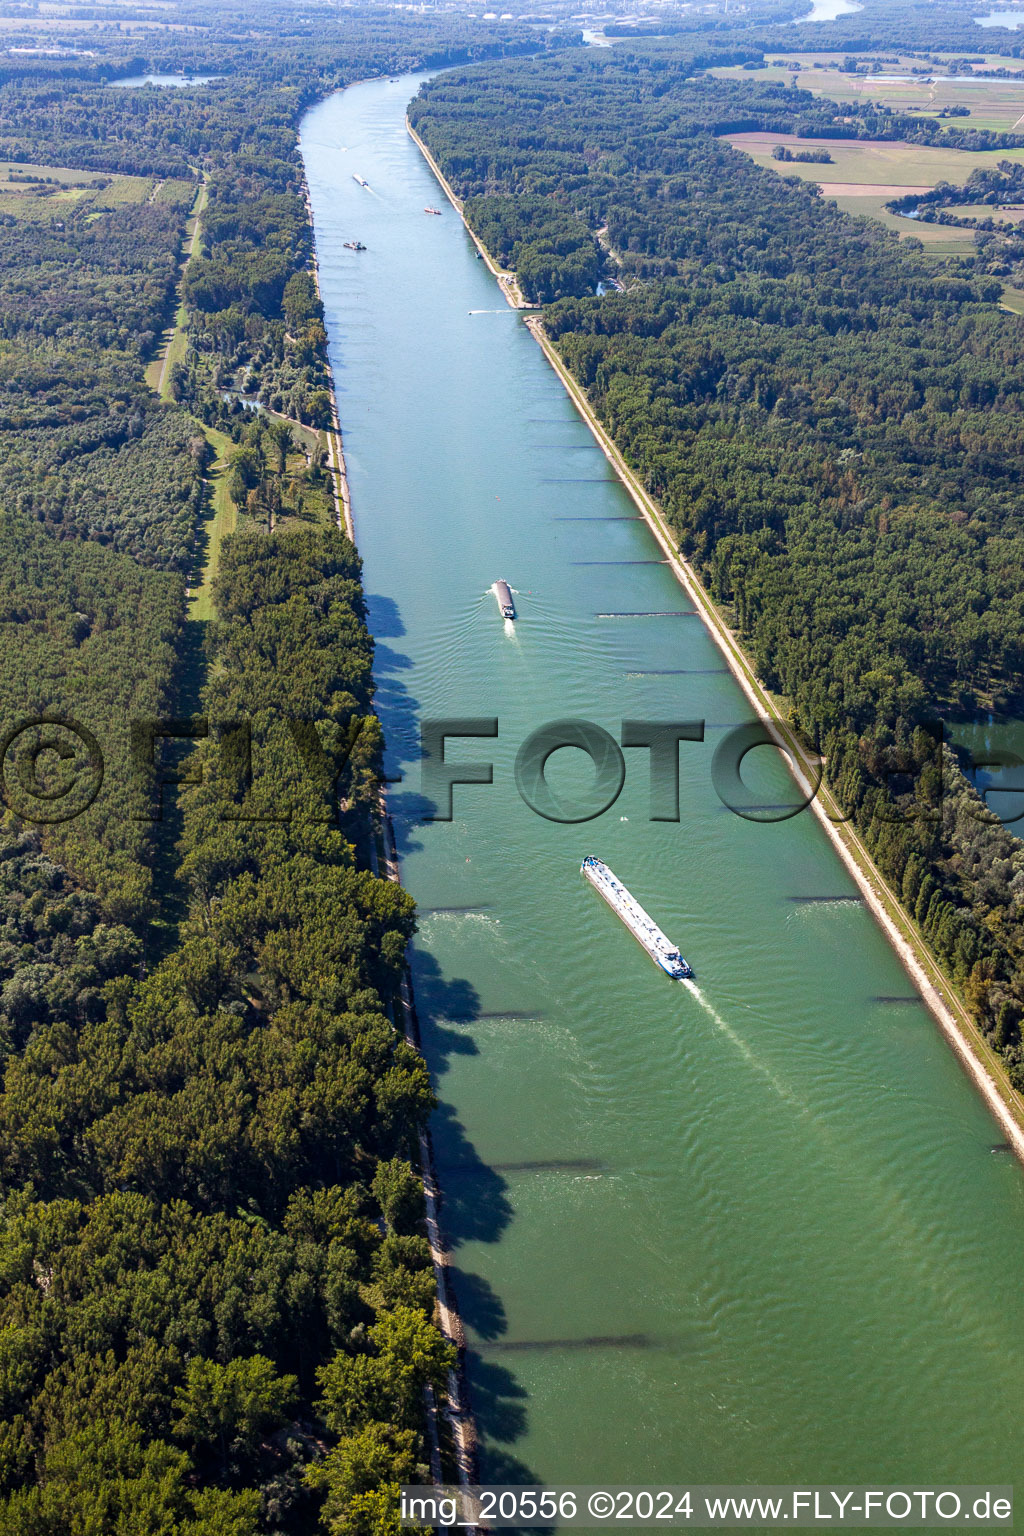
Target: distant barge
[
  {"x": 503, "y": 592},
  {"x": 640, "y": 924}
]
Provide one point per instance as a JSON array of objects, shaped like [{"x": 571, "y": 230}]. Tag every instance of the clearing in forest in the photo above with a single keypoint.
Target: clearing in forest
[
  {"x": 996, "y": 104},
  {"x": 864, "y": 174},
  {"x": 43, "y": 192},
  {"x": 876, "y": 162}
]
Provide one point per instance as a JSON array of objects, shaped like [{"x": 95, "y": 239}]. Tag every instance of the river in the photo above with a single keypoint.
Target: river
[
  {"x": 830, "y": 10},
  {"x": 753, "y": 1232}
]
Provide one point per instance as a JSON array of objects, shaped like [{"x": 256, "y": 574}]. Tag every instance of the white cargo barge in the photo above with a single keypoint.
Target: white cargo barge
[
  {"x": 640, "y": 924},
  {"x": 503, "y": 592}
]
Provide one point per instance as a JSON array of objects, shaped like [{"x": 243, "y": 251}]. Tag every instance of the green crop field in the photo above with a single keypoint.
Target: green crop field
[
  {"x": 996, "y": 104},
  {"x": 60, "y": 186},
  {"x": 866, "y": 174},
  {"x": 172, "y": 191},
  {"x": 938, "y": 239},
  {"x": 124, "y": 189},
  {"x": 872, "y": 162},
  {"x": 10, "y": 170},
  {"x": 980, "y": 211},
  {"x": 25, "y": 204},
  {"x": 1013, "y": 299}
]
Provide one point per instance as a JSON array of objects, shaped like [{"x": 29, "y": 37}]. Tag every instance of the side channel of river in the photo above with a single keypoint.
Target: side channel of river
[{"x": 756, "y": 1233}]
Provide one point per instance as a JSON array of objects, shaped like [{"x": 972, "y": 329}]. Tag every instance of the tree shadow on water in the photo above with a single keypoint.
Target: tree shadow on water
[
  {"x": 474, "y": 1200},
  {"x": 480, "y": 1306},
  {"x": 474, "y": 1203},
  {"x": 383, "y": 617},
  {"x": 474, "y": 1207},
  {"x": 399, "y": 714},
  {"x": 499, "y": 1404},
  {"x": 396, "y": 706}
]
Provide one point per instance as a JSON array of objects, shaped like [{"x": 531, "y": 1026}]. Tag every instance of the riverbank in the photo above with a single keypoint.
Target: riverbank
[
  {"x": 980, "y": 1063},
  {"x": 956, "y": 1024},
  {"x": 506, "y": 280},
  {"x": 789, "y": 1153},
  {"x": 335, "y": 444},
  {"x": 461, "y": 1429}
]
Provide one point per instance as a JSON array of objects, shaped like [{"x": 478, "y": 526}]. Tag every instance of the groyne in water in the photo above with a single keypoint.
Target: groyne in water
[
  {"x": 800, "y": 1208},
  {"x": 981, "y": 1065}
]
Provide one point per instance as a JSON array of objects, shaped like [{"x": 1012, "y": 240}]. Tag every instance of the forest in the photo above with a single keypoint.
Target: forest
[
  {"x": 216, "y": 1295},
  {"x": 930, "y": 28},
  {"x": 832, "y": 424},
  {"x": 100, "y": 487},
  {"x": 211, "y": 1166}
]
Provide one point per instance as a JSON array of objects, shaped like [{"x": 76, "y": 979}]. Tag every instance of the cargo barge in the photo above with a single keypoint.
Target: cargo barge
[
  {"x": 640, "y": 924},
  {"x": 503, "y": 592}
]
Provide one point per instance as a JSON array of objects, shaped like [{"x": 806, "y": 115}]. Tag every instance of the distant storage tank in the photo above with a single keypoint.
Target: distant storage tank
[{"x": 503, "y": 593}]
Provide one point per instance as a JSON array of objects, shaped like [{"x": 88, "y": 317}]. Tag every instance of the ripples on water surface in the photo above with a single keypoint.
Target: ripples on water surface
[{"x": 793, "y": 1256}]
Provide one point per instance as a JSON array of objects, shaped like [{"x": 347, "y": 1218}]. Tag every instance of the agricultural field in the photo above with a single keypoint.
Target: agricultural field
[
  {"x": 59, "y": 188},
  {"x": 37, "y": 206},
  {"x": 175, "y": 191},
  {"x": 995, "y": 104},
  {"x": 866, "y": 173},
  {"x": 1012, "y": 299},
  {"x": 43, "y": 25},
  {"x": 124, "y": 189},
  {"x": 874, "y": 164},
  {"x": 937, "y": 239},
  {"x": 65, "y": 176},
  {"x": 1004, "y": 214}
]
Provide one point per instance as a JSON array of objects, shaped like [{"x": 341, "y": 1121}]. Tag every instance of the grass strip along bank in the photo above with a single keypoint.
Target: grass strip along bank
[{"x": 828, "y": 486}]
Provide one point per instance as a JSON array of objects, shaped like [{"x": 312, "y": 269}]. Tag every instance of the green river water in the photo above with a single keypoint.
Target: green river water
[{"x": 753, "y": 1231}]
